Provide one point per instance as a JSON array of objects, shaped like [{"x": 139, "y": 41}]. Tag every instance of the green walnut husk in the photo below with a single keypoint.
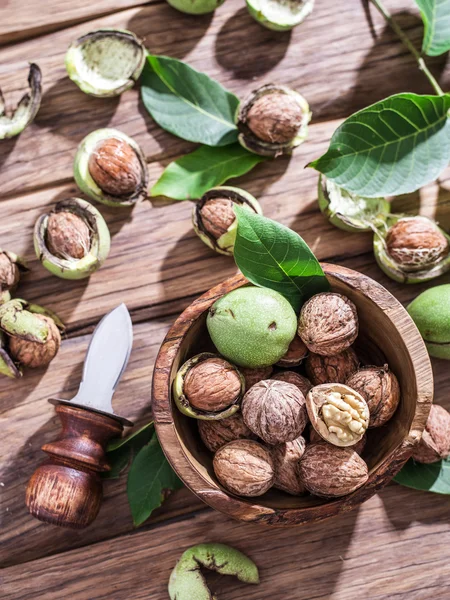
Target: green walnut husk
[
  {"x": 182, "y": 401},
  {"x": 225, "y": 243},
  {"x": 105, "y": 62},
  {"x": 398, "y": 272},
  {"x": 280, "y": 15},
  {"x": 26, "y": 110},
  {"x": 11, "y": 267},
  {"x": 349, "y": 211},
  {"x": 254, "y": 144},
  {"x": 252, "y": 326},
  {"x": 430, "y": 311},
  {"x": 187, "y": 581},
  {"x": 90, "y": 187},
  {"x": 68, "y": 267},
  {"x": 20, "y": 319},
  {"x": 196, "y": 7}
]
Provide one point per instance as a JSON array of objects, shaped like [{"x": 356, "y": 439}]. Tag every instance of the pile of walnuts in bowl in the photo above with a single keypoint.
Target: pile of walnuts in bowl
[{"x": 300, "y": 424}]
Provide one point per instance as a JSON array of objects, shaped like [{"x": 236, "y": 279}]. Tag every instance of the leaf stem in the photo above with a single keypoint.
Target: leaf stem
[{"x": 407, "y": 42}]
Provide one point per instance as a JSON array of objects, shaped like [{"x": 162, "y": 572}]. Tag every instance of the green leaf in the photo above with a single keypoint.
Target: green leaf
[
  {"x": 149, "y": 477},
  {"x": 118, "y": 461},
  {"x": 430, "y": 478},
  {"x": 137, "y": 439},
  {"x": 392, "y": 147},
  {"x": 436, "y": 18},
  {"x": 272, "y": 255},
  {"x": 189, "y": 177},
  {"x": 188, "y": 103}
]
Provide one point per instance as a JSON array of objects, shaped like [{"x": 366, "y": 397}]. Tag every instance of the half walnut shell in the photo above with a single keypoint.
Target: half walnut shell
[
  {"x": 73, "y": 240},
  {"x": 110, "y": 168},
  {"x": 338, "y": 413},
  {"x": 207, "y": 387},
  {"x": 273, "y": 120},
  {"x": 105, "y": 62},
  {"x": 214, "y": 219},
  {"x": 26, "y": 110}
]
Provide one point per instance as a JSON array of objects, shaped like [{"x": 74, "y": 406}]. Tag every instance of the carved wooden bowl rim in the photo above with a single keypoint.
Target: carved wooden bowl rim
[{"x": 248, "y": 509}]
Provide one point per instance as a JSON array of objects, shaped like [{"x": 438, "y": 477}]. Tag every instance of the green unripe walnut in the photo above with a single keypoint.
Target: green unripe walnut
[
  {"x": 430, "y": 311},
  {"x": 252, "y": 326},
  {"x": 196, "y": 7}
]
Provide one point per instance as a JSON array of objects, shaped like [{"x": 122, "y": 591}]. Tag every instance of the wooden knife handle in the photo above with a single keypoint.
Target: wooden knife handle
[{"x": 66, "y": 490}]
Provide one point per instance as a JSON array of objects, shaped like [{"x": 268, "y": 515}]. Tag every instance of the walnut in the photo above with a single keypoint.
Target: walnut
[
  {"x": 244, "y": 467},
  {"x": 253, "y": 376},
  {"x": 380, "y": 389},
  {"x": 212, "y": 385},
  {"x": 68, "y": 235},
  {"x": 314, "y": 437},
  {"x": 328, "y": 323},
  {"x": 275, "y": 118},
  {"x": 435, "y": 442},
  {"x": 416, "y": 243},
  {"x": 9, "y": 272},
  {"x": 216, "y": 434},
  {"x": 34, "y": 354},
  {"x": 275, "y": 411},
  {"x": 115, "y": 167},
  {"x": 286, "y": 459},
  {"x": 338, "y": 414},
  {"x": 331, "y": 369},
  {"x": 297, "y": 351},
  {"x": 328, "y": 471},
  {"x": 217, "y": 216},
  {"x": 303, "y": 384}
]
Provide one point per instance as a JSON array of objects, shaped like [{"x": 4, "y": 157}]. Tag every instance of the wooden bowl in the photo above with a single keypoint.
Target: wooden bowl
[{"x": 387, "y": 334}]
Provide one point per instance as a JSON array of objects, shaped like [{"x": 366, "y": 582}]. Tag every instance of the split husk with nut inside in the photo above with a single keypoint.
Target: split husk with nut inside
[
  {"x": 110, "y": 168},
  {"x": 105, "y": 62},
  {"x": 412, "y": 249},
  {"x": 214, "y": 219},
  {"x": 27, "y": 108},
  {"x": 273, "y": 120},
  {"x": 347, "y": 210},
  {"x": 187, "y": 581},
  {"x": 11, "y": 266},
  {"x": 338, "y": 413},
  {"x": 207, "y": 387},
  {"x": 280, "y": 15},
  {"x": 31, "y": 336},
  {"x": 73, "y": 240}
]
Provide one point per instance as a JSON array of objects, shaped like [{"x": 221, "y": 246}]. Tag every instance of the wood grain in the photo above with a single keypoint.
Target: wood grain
[
  {"x": 337, "y": 66},
  {"x": 391, "y": 548}
]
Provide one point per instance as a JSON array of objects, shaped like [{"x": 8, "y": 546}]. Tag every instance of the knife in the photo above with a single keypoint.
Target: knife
[{"x": 66, "y": 490}]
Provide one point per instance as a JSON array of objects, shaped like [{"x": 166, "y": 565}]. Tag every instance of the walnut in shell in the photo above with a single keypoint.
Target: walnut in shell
[
  {"x": 253, "y": 376},
  {"x": 380, "y": 389},
  {"x": 435, "y": 442},
  {"x": 275, "y": 118},
  {"x": 331, "y": 369},
  {"x": 244, "y": 467},
  {"x": 328, "y": 323},
  {"x": 67, "y": 235},
  {"x": 338, "y": 414},
  {"x": 303, "y": 384},
  {"x": 275, "y": 411},
  {"x": 314, "y": 437},
  {"x": 329, "y": 472},
  {"x": 115, "y": 167},
  {"x": 286, "y": 459},
  {"x": 297, "y": 351},
  {"x": 216, "y": 434}
]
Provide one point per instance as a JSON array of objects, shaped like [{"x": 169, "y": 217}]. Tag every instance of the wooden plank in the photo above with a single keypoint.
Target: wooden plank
[
  {"x": 28, "y": 421},
  {"x": 22, "y": 19},
  {"x": 387, "y": 549},
  {"x": 157, "y": 264},
  {"x": 332, "y": 59}
]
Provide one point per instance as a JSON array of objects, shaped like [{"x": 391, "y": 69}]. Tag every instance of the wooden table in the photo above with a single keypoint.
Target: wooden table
[{"x": 397, "y": 545}]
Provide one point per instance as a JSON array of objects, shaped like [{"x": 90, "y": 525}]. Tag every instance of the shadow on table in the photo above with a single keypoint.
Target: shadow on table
[
  {"x": 159, "y": 26},
  {"x": 247, "y": 49}
]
